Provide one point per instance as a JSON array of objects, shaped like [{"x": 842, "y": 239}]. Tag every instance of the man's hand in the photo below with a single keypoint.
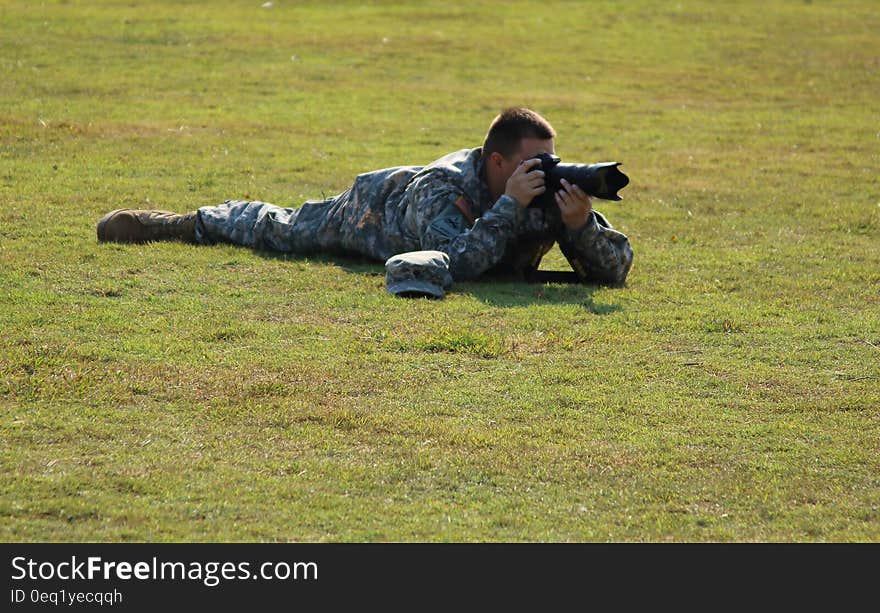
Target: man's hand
[
  {"x": 574, "y": 205},
  {"x": 524, "y": 184}
]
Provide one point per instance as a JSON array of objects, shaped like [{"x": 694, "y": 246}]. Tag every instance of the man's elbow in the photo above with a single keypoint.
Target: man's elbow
[
  {"x": 468, "y": 266},
  {"x": 462, "y": 270},
  {"x": 612, "y": 269},
  {"x": 626, "y": 258},
  {"x": 619, "y": 272}
]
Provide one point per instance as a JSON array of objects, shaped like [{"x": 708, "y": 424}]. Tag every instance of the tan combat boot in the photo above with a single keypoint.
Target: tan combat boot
[{"x": 135, "y": 226}]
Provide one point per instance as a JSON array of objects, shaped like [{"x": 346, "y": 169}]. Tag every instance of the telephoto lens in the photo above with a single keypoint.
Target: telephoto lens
[{"x": 602, "y": 180}]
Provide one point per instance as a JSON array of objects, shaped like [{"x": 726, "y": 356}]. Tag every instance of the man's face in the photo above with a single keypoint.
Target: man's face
[{"x": 528, "y": 148}]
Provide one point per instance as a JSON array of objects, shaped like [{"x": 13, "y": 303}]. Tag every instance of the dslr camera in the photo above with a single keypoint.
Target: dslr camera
[{"x": 601, "y": 180}]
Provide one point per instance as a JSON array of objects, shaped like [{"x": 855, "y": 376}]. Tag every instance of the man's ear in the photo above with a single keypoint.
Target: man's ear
[{"x": 496, "y": 159}]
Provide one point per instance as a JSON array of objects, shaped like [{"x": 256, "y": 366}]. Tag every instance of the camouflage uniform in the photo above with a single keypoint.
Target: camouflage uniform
[{"x": 444, "y": 206}]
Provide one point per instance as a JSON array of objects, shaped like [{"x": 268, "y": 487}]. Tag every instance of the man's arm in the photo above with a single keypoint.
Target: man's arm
[
  {"x": 472, "y": 249},
  {"x": 596, "y": 252}
]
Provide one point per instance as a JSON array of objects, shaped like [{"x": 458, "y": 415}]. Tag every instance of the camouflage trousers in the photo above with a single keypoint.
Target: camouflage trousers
[
  {"x": 318, "y": 226},
  {"x": 253, "y": 224},
  {"x": 265, "y": 226}
]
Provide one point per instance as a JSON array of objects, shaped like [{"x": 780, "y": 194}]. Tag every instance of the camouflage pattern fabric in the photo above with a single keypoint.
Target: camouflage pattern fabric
[
  {"x": 444, "y": 206},
  {"x": 418, "y": 273}
]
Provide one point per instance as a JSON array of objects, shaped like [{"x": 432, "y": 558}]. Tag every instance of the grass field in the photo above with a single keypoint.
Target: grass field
[{"x": 729, "y": 392}]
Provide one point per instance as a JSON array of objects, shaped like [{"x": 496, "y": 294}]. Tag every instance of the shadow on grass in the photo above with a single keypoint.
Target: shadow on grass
[
  {"x": 494, "y": 290},
  {"x": 507, "y": 292}
]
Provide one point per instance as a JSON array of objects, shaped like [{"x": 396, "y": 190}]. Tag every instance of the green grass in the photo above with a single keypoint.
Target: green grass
[{"x": 729, "y": 392}]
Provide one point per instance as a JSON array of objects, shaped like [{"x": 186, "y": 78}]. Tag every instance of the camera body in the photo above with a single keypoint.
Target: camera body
[{"x": 601, "y": 180}]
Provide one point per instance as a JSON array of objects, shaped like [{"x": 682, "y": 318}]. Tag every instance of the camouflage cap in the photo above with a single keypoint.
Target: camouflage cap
[{"x": 417, "y": 274}]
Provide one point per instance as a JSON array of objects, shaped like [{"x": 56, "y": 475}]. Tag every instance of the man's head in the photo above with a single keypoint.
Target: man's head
[
  {"x": 511, "y": 127},
  {"x": 515, "y": 135}
]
